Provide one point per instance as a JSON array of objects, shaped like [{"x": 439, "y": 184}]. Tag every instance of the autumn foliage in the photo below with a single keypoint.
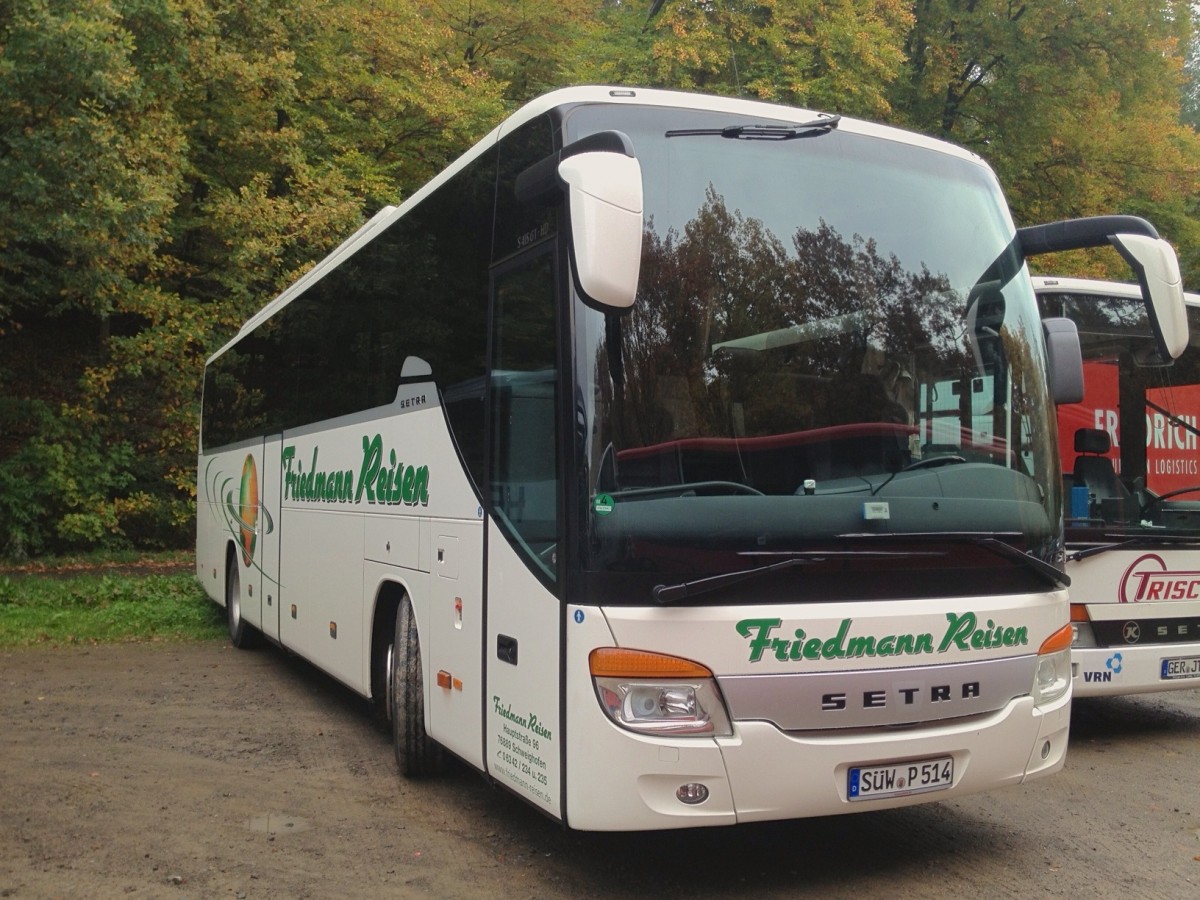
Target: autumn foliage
[{"x": 166, "y": 166}]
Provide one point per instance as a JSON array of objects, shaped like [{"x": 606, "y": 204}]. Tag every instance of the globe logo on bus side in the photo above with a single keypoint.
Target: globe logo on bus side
[{"x": 248, "y": 509}]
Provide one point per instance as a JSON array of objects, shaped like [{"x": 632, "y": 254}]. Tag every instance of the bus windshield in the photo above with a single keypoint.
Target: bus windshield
[
  {"x": 834, "y": 357},
  {"x": 1129, "y": 450}
]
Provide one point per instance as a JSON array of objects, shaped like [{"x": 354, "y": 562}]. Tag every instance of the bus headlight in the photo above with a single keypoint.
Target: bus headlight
[
  {"x": 652, "y": 693},
  {"x": 1053, "y": 676},
  {"x": 1084, "y": 636}
]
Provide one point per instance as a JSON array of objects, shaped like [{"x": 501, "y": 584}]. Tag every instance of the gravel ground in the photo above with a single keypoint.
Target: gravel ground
[{"x": 194, "y": 770}]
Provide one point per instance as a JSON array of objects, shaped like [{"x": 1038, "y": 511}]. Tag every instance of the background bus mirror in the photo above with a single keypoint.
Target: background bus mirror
[
  {"x": 1152, "y": 258},
  {"x": 604, "y": 202},
  {"x": 1157, "y": 269},
  {"x": 1064, "y": 360}
]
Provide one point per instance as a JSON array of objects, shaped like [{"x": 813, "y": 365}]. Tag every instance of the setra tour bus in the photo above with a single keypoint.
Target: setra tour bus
[
  {"x": 672, "y": 460},
  {"x": 1131, "y": 463}
]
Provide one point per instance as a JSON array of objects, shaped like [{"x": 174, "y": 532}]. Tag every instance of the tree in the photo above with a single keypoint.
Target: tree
[
  {"x": 88, "y": 158},
  {"x": 167, "y": 166},
  {"x": 836, "y": 55},
  {"x": 1076, "y": 105},
  {"x": 89, "y": 172}
]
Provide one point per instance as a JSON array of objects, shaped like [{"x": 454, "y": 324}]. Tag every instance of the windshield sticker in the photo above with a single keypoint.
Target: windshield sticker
[
  {"x": 603, "y": 504},
  {"x": 386, "y": 483},
  {"x": 963, "y": 633}
]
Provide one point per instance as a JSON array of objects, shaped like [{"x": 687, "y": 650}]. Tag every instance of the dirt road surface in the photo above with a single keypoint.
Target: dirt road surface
[{"x": 149, "y": 770}]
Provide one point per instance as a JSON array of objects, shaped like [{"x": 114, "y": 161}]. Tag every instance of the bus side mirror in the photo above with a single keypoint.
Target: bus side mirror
[
  {"x": 1152, "y": 259},
  {"x": 1157, "y": 269},
  {"x": 604, "y": 200},
  {"x": 602, "y": 180},
  {"x": 1064, "y": 360}
]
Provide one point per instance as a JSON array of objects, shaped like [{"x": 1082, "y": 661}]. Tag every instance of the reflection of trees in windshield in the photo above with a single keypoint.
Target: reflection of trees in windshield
[{"x": 735, "y": 334}]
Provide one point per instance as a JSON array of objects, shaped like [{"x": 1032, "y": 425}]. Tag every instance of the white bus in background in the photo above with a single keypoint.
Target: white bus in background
[
  {"x": 607, "y": 463},
  {"x": 1131, "y": 462}
]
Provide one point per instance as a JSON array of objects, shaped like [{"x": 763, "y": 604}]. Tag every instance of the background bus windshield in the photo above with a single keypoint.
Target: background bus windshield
[
  {"x": 1133, "y": 444},
  {"x": 834, "y": 358}
]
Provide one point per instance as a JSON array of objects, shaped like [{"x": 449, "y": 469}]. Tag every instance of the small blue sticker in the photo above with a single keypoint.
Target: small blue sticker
[
  {"x": 579, "y": 617},
  {"x": 1113, "y": 663}
]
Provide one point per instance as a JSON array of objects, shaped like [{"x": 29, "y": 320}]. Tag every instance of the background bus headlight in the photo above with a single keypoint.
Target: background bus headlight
[
  {"x": 1084, "y": 636},
  {"x": 651, "y": 693}
]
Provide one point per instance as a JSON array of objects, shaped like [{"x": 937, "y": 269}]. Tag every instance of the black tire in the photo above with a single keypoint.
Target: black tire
[
  {"x": 416, "y": 752},
  {"x": 241, "y": 634}
]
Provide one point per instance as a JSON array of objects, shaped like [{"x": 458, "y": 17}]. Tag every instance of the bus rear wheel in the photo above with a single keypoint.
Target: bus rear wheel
[{"x": 416, "y": 752}]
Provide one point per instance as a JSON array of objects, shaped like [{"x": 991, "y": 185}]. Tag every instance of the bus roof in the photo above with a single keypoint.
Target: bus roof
[{"x": 1097, "y": 286}]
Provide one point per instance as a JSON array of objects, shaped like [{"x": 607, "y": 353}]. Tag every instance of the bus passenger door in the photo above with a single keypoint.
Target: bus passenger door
[
  {"x": 269, "y": 535},
  {"x": 522, "y": 648}
]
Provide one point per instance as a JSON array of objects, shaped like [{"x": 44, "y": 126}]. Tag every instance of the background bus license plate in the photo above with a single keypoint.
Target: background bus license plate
[
  {"x": 916, "y": 777},
  {"x": 1182, "y": 667}
]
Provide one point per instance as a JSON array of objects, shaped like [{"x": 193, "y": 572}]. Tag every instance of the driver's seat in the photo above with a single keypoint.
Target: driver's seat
[{"x": 1093, "y": 469}]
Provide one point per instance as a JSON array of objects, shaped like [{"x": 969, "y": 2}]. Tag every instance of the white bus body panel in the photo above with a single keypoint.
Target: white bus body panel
[
  {"x": 221, "y": 522},
  {"x": 452, "y": 630},
  {"x": 268, "y": 607},
  {"x": 326, "y": 541},
  {"x": 521, "y": 717},
  {"x": 764, "y": 772},
  {"x": 322, "y": 620},
  {"x": 1117, "y": 586}
]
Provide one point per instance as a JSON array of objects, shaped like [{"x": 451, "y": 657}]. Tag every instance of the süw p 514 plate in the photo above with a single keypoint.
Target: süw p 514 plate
[{"x": 900, "y": 779}]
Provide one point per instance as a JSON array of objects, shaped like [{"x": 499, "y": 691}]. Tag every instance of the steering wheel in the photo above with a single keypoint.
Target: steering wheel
[{"x": 1144, "y": 508}]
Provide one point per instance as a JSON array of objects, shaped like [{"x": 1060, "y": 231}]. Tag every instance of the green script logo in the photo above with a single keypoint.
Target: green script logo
[
  {"x": 529, "y": 722},
  {"x": 962, "y": 633},
  {"x": 389, "y": 484}
]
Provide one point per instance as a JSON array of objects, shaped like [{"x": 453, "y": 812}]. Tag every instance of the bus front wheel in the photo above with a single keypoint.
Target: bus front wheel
[{"x": 416, "y": 752}]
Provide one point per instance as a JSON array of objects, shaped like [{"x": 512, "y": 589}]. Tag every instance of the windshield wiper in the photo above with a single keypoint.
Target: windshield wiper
[
  {"x": 1051, "y": 573},
  {"x": 815, "y": 128},
  {"x": 665, "y": 594},
  {"x": 1144, "y": 540}
]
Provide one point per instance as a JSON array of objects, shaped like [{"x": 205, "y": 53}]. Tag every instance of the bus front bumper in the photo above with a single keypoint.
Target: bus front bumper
[
  {"x": 1112, "y": 671},
  {"x": 761, "y": 773}
]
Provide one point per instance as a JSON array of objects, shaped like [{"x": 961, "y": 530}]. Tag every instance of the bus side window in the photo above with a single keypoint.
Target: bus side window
[{"x": 524, "y": 379}]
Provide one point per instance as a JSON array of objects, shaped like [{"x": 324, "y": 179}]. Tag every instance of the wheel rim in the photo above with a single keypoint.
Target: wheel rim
[
  {"x": 235, "y": 599},
  {"x": 391, "y": 682}
]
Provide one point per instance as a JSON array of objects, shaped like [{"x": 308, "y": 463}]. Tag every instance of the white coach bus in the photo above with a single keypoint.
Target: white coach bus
[
  {"x": 1131, "y": 463},
  {"x": 672, "y": 460}
]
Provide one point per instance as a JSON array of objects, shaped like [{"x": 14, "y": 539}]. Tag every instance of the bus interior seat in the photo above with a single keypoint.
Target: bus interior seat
[{"x": 1093, "y": 469}]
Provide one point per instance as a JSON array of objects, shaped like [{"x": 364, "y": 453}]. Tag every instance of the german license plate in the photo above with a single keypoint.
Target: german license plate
[
  {"x": 1181, "y": 667},
  {"x": 900, "y": 779}
]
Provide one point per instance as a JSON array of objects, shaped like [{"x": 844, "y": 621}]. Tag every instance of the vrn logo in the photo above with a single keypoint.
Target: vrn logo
[{"x": 1112, "y": 666}]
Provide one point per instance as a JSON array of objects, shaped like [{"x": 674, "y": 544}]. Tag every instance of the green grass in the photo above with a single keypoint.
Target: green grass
[{"x": 107, "y": 599}]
